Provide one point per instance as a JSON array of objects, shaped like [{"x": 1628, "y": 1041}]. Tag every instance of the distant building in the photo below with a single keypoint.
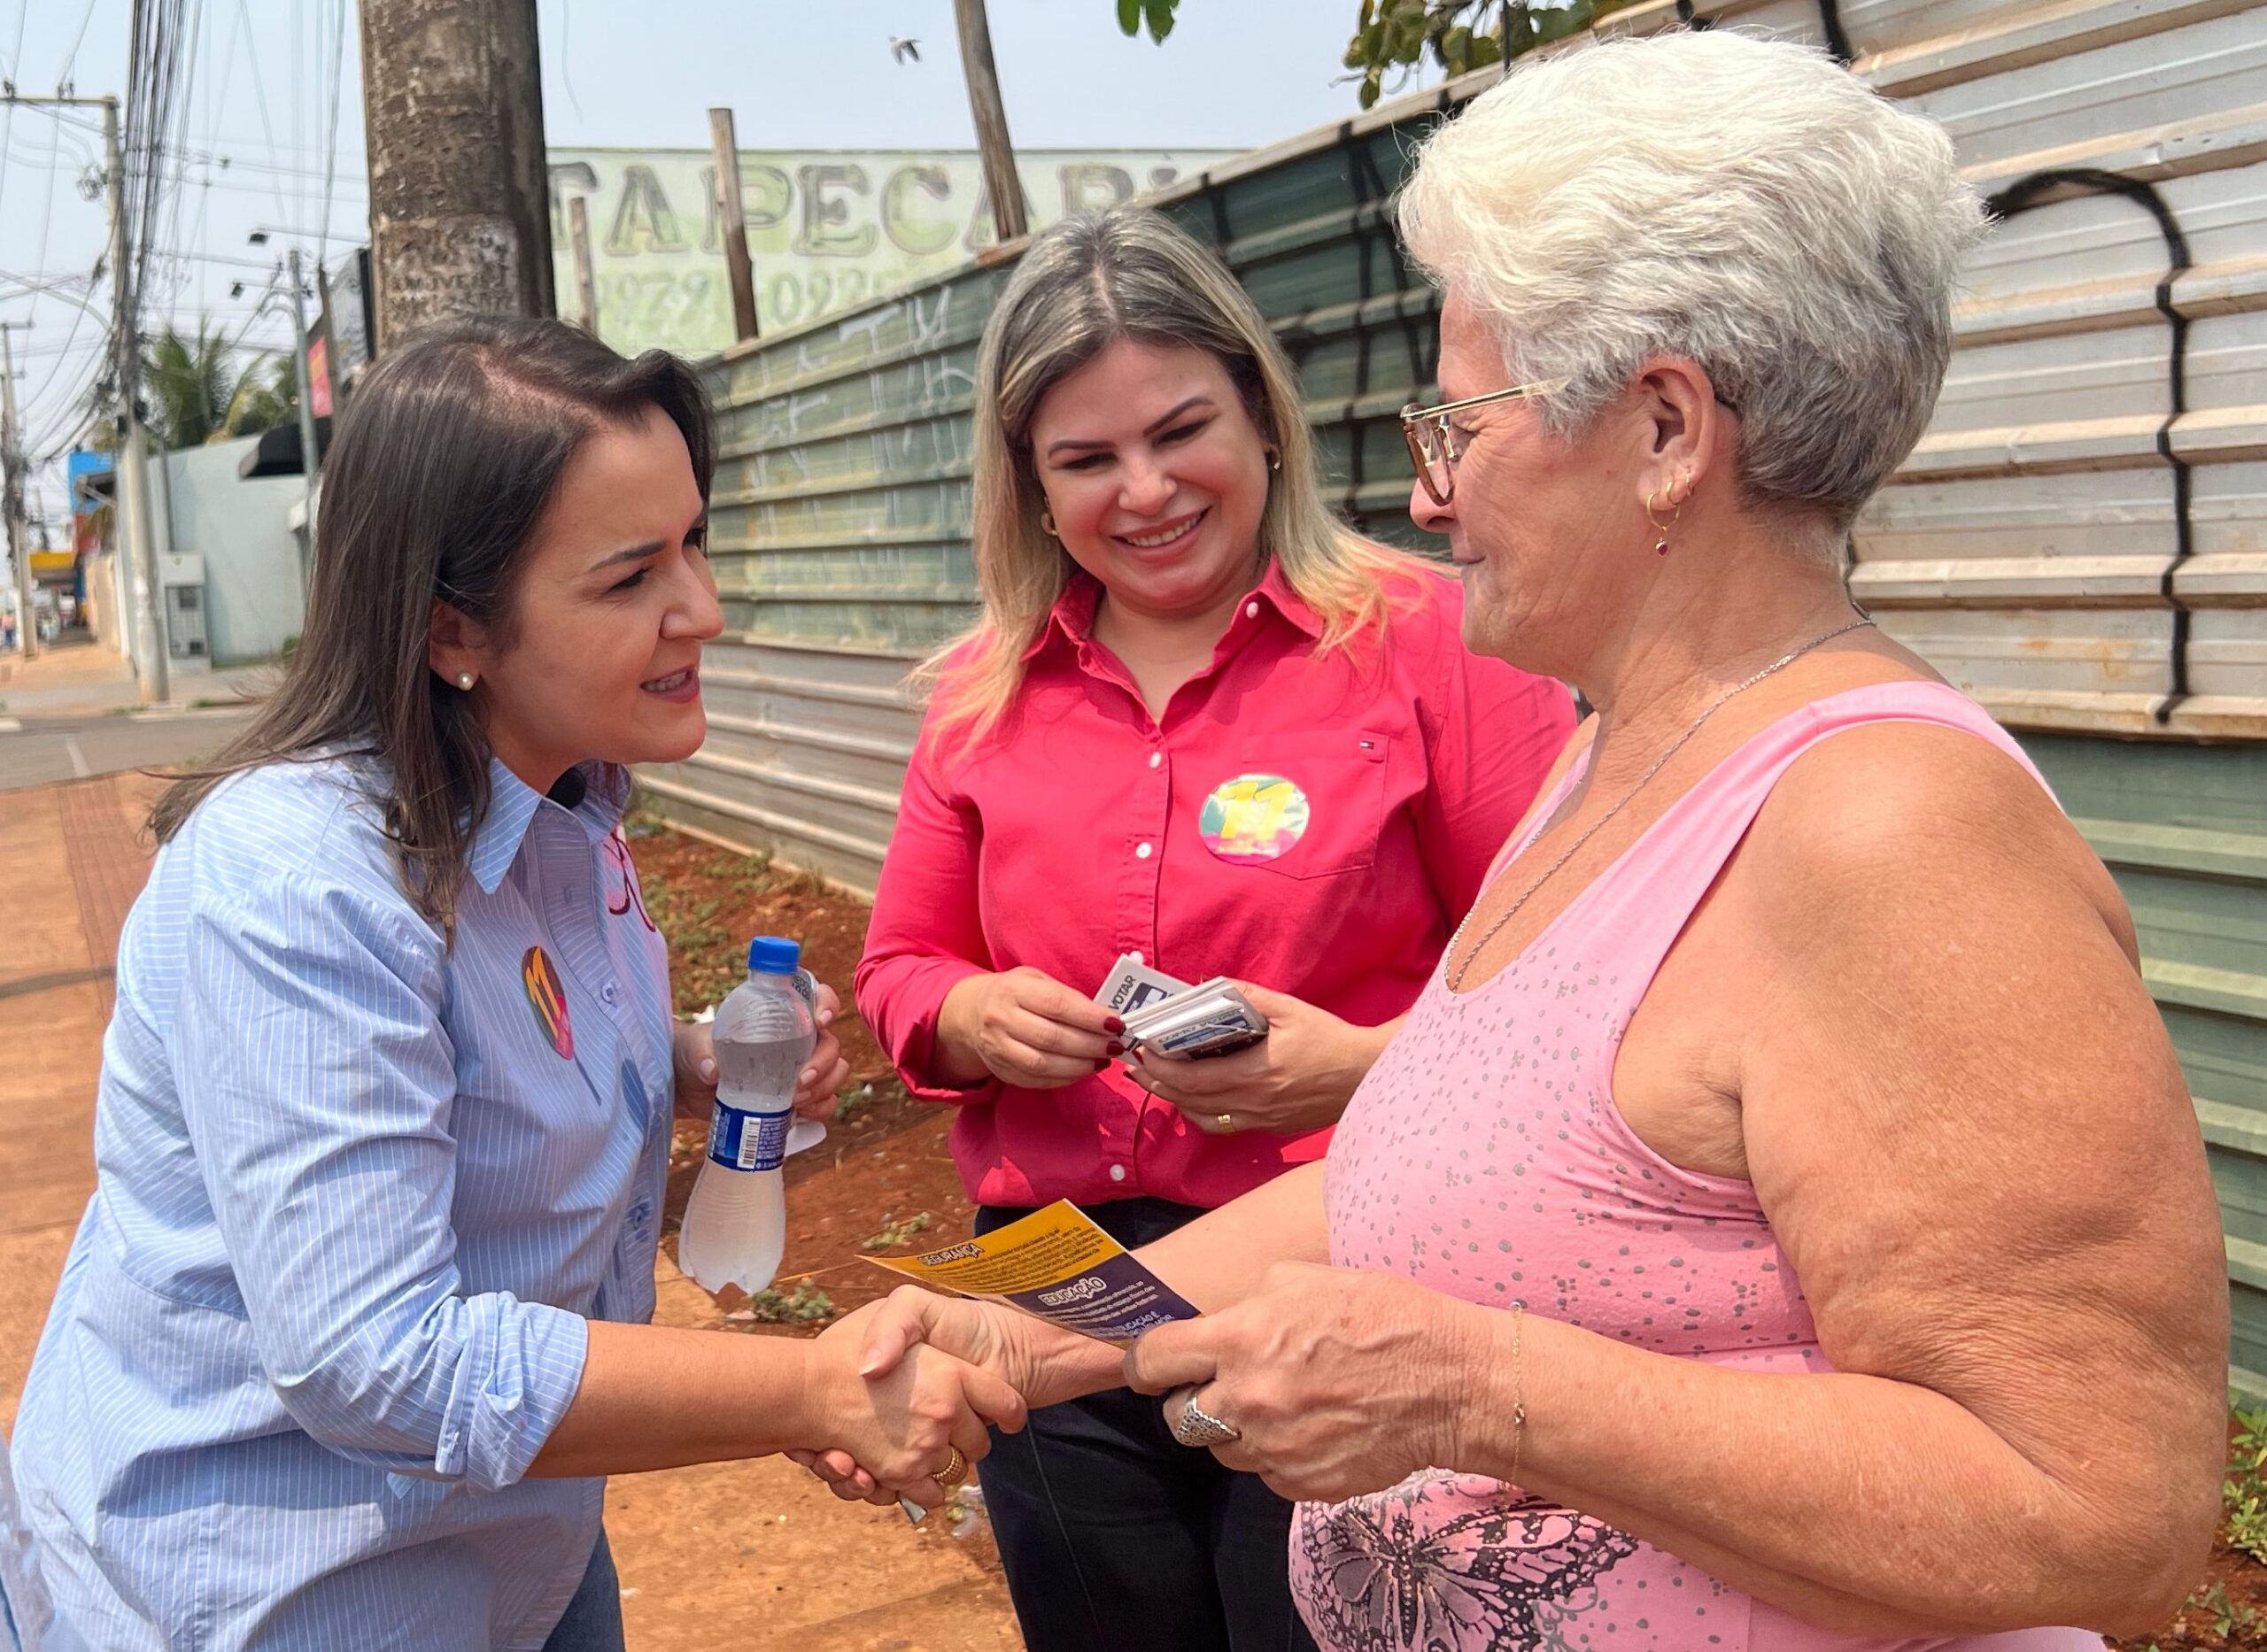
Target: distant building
[{"x": 231, "y": 588}]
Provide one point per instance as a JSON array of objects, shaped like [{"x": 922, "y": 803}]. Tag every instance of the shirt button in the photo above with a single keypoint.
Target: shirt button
[
  {"x": 1155, "y": 757},
  {"x": 1251, "y": 611},
  {"x": 1142, "y": 852},
  {"x": 608, "y": 992},
  {"x": 1117, "y": 1172}
]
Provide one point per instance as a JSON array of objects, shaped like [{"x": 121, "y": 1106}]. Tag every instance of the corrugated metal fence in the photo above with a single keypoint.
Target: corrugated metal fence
[{"x": 2078, "y": 540}]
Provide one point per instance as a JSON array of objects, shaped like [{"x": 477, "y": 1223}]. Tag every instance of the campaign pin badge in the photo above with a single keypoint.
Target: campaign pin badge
[
  {"x": 549, "y": 999},
  {"x": 1253, "y": 817}
]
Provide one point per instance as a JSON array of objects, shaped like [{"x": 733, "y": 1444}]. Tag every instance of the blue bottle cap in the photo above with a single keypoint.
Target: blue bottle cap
[{"x": 773, "y": 955}]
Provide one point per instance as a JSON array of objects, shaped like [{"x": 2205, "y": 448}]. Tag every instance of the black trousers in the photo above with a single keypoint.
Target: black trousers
[{"x": 1118, "y": 1538}]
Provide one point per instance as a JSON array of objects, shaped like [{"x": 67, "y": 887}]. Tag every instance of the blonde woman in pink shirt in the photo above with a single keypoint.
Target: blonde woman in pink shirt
[{"x": 1780, "y": 1223}]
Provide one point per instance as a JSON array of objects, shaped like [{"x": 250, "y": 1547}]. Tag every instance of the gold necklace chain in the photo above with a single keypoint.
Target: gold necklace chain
[{"x": 1458, "y": 972}]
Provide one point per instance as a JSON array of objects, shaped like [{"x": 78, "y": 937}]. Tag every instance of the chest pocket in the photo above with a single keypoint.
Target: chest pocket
[{"x": 1300, "y": 805}]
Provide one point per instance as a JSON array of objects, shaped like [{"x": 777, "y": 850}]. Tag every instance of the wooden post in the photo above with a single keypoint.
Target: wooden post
[
  {"x": 586, "y": 288},
  {"x": 1000, "y": 179},
  {"x": 732, "y": 222}
]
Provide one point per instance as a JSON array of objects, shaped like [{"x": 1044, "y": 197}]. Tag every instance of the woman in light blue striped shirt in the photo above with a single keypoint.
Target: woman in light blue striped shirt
[{"x": 356, "y": 1317}]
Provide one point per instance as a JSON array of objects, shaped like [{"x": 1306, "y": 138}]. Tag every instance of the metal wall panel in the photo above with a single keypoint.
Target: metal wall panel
[
  {"x": 2076, "y": 542},
  {"x": 2184, "y": 828}
]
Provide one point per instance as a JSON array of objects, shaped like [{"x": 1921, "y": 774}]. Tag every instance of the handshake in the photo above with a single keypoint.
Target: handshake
[
  {"x": 908, "y": 1386},
  {"x": 1328, "y": 1383}
]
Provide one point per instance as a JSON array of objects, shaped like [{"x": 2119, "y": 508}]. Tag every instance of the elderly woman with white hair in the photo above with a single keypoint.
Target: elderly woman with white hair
[{"x": 1780, "y": 1223}]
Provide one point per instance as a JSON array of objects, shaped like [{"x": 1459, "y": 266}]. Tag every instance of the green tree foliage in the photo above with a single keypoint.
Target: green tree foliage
[
  {"x": 1394, "y": 36},
  {"x": 195, "y": 389},
  {"x": 1459, "y": 35},
  {"x": 1158, "y": 14}
]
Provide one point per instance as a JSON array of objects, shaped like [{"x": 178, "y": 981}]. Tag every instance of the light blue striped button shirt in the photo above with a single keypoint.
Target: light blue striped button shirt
[{"x": 358, "y": 1195}]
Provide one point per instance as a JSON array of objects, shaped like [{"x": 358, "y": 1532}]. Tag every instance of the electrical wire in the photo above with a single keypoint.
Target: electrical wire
[
  {"x": 72, "y": 61},
  {"x": 331, "y": 153},
  {"x": 260, "y": 91},
  {"x": 15, "y": 72}
]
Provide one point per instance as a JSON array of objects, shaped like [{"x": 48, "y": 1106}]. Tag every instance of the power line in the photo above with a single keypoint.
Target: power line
[
  {"x": 260, "y": 91},
  {"x": 330, "y": 155},
  {"x": 15, "y": 72},
  {"x": 71, "y": 62},
  {"x": 46, "y": 227}
]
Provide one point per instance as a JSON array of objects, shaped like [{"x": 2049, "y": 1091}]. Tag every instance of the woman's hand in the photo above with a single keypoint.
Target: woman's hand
[
  {"x": 1042, "y": 1362},
  {"x": 1024, "y": 1028},
  {"x": 1299, "y": 1078},
  {"x": 693, "y": 1061},
  {"x": 901, "y": 1425},
  {"x": 1339, "y": 1382}
]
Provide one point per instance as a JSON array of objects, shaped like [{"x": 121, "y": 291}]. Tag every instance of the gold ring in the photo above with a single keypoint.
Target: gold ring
[
  {"x": 954, "y": 1472},
  {"x": 1226, "y": 1121}
]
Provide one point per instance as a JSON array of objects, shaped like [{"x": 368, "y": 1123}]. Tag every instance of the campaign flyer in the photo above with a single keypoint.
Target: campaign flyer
[{"x": 1056, "y": 1264}]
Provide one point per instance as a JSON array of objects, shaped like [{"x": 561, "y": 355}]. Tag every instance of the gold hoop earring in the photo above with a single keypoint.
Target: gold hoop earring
[
  {"x": 1653, "y": 516},
  {"x": 1047, "y": 524}
]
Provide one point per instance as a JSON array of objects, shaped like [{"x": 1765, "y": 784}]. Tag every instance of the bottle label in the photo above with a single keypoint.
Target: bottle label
[{"x": 742, "y": 1140}]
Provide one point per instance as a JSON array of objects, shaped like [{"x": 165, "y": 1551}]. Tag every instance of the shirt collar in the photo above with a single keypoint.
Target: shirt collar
[
  {"x": 1276, "y": 588},
  {"x": 1072, "y": 617},
  {"x": 512, "y": 808}
]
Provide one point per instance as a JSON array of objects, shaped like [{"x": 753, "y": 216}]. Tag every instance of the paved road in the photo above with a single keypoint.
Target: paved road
[{"x": 39, "y": 750}]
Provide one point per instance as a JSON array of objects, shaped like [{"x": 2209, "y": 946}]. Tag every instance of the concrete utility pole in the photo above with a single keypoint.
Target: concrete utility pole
[
  {"x": 11, "y": 498},
  {"x": 138, "y": 545},
  {"x": 133, "y": 472},
  {"x": 460, "y": 203},
  {"x": 1000, "y": 179},
  {"x": 732, "y": 221}
]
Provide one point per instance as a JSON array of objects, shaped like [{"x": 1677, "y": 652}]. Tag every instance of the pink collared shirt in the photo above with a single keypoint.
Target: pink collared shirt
[{"x": 1314, "y": 822}]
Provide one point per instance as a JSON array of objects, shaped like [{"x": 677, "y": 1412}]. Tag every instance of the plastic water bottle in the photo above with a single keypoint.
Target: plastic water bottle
[{"x": 736, "y": 1225}]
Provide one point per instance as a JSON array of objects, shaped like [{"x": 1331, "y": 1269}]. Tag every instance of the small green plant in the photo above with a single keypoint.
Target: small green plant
[
  {"x": 2230, "y": 1618},
  {"x": 747, "y": 874},
  {"x": 2243, "y": 1494},
  {"x": 806, "y": 1305},
  {"x": 895, "y": 1231}
]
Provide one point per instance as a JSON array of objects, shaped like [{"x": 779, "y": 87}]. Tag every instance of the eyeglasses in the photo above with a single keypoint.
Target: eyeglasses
[{"x": 1432, "y": 445}]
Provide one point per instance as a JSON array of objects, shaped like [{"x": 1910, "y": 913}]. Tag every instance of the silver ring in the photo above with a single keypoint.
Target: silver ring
[{"x": 1193, "y": 1426}]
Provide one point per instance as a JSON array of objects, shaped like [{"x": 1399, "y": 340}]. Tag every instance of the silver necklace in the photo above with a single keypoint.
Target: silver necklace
[{"x": 1456, "y": 978}]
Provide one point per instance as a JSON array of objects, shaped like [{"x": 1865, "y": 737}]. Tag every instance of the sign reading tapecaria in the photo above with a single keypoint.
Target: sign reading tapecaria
[{"x": 827, "y": 229}]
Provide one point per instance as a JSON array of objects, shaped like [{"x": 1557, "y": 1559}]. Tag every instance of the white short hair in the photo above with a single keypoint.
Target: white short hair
[{"x": 1741, "y": 201}]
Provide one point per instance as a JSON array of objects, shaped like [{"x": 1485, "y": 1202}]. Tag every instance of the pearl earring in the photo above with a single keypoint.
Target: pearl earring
[{"x": 464, "y": 681}]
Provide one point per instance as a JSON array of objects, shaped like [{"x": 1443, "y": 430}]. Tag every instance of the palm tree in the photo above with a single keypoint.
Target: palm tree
[
  {"x": 193, "y": 391},
  {"x": 256, "y": 406}
]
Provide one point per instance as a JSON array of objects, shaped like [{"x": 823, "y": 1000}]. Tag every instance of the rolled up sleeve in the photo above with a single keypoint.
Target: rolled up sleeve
[
  {"x": 926, "y": 934},
  {"x": 317, "y": 1082}
]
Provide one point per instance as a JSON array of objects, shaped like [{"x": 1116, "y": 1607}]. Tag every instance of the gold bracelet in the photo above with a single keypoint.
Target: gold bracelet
[{"x": 1519, "y": 1395}]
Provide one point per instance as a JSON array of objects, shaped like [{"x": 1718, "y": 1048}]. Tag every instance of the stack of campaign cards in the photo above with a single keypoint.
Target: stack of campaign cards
[{"x": 1174, "y": 1018}]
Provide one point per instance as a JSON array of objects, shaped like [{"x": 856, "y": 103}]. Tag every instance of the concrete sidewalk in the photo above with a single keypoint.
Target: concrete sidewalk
[
  {"x": 83, "y": 678},
  {"x": 752, "y": 1555}
]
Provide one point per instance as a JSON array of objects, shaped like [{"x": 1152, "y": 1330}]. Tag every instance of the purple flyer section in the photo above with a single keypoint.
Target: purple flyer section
[{"x": 1115, "y": 1301}]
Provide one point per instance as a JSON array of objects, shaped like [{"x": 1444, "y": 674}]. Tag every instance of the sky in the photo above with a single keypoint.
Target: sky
[{"x": 274, "y": 94}]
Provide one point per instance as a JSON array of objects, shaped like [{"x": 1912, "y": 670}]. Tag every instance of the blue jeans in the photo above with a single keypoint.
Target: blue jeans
[{"x": 593, "y": 1620}]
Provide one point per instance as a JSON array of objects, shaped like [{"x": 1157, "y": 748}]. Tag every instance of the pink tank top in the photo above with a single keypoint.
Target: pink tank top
[{"x": 1484, "y": 1157}]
